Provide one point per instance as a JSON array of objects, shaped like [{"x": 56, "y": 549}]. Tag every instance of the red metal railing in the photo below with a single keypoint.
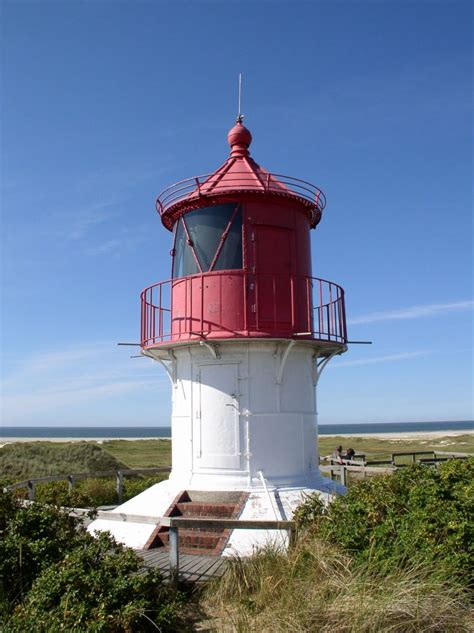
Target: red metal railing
[
  {"x": 258, "y": 305},
  {"x": 194, "y": 188}
]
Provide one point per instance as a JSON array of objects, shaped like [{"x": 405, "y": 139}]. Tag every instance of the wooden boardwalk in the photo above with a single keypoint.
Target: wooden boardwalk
[{"x": 193, "y": 568}]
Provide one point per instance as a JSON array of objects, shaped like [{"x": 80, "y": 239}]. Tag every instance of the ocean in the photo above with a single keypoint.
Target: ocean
[{"x": 130, "y": 432}]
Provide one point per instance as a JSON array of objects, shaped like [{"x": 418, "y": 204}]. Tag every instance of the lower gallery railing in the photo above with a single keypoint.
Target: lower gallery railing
[{"x": 237, "y": 302}]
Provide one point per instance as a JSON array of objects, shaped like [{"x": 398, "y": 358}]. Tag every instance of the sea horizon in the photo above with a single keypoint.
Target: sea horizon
[{"x": 130, "y": 432}]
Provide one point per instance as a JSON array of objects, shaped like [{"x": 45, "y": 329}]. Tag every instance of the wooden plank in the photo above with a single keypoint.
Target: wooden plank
[
  {"x": 127, "y": 518},
  {"x": 195, "y": 564},
  {"x": 217, "y": 568},
  {"x": 194, "y": 568}
]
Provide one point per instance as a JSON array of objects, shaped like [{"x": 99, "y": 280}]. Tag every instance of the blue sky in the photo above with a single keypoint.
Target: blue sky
[{"x": 106, "y": 103}]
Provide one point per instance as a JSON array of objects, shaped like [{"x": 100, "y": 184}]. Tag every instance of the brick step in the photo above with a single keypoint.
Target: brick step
[
  {"x": 200, "y": 505},
  {"x": 191, "y": 538},
  {"x": 206, "y": 510}
]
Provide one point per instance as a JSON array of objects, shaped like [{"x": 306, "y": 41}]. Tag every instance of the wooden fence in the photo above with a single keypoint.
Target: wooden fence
[{"x": 30, "y": 484}]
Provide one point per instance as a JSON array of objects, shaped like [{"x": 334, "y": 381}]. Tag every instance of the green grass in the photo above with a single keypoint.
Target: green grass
[
  {"x": 383, "y": 448},
  {"x": 25, "y": 460},
  {"x": 140, "y": 453},
  {"x": 315, "y": 587},
  {"x": 149, "y": 453}
]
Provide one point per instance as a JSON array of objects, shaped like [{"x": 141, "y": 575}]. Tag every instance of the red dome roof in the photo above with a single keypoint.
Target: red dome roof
[{"x": 240, "y": 175}]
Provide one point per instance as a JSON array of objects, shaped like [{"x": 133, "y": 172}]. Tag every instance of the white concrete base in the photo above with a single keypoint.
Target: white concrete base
[{"x": 278, "y": 504}]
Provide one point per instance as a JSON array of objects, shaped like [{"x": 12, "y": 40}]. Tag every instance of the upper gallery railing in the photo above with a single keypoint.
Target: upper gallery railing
[{"x": 192, "y": 189}]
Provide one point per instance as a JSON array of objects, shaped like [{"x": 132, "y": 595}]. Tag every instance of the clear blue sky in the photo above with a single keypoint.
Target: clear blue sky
[{"x": 106, "y": 103}]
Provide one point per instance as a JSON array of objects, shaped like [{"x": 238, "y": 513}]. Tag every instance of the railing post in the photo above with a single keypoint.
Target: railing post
[
  {"x": 174, "y": 556},
  {"x": 71, "y": 482},
  {"x": 119, "y": 486},
  {"x": 292, "y": 536},
  {"x": 31, "y": 490},
  {"x": 343, "y": 471}
]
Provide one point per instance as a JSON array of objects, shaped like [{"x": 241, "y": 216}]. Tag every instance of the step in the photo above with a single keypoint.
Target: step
[
  {"x": 205, "y": 539},
  {"x": 199, "y": 539},
  {"x": 206, "y": 510}
]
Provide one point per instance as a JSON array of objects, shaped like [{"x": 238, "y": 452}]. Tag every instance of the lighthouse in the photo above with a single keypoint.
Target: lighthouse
[{"x": 243, "y": 330}]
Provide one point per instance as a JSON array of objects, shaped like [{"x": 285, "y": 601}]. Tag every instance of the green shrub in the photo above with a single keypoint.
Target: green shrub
[
  {"x": 90, "y": 493},
  {"x": 416, "y": 514},
  {"x": 97, "y": 588},
  {"x": 135, "y": 485},
  {"x": 31, "y": 539},
  {"x": 54, "y": 576}
]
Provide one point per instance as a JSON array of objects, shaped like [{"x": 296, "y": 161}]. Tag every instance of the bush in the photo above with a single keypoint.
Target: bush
[
  {"x": 54, "y": 576},
  {"x": 97, "y": 588},
  {"x": 90, "y": 493},
  {"x": 135, "y": 485},
  {"x": 416, "y": 514},
  {"x": 31, "y": 539}
]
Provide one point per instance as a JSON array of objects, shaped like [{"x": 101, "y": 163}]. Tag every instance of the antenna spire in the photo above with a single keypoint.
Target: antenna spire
[{"x": 240, "y": 116}]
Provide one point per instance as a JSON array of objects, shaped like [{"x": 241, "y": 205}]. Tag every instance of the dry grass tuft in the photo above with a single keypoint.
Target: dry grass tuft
[{"x": 314, "y": 588}]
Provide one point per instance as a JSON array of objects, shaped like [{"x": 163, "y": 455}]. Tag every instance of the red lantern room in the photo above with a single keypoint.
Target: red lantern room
[{"x": 241, "y": 259}]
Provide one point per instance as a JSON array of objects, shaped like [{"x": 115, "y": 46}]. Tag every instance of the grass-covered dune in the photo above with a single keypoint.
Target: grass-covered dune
[
  {"x": 146, "y": 453},
  {"x": 25, "y": 460}
]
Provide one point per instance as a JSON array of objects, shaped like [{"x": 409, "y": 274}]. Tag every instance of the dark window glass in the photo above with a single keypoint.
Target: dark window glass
[
  {"x": 184, "y": 263},
  {"x": 230, "y": 256},
  {"x": 206, "y": 228}
]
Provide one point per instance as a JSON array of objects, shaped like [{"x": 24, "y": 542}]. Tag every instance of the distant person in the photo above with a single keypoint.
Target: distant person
[
  {"x": 350, "y": 454},
  {"x": 338, "y": 454}
]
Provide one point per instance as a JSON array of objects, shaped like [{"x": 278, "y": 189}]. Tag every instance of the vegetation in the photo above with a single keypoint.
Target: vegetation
[
  {"x": 91, "y": 493},
  {"x": 54, "y": 576},
  {"x": 416, "y": 515},
  {"x": 376, "y": 448},
  {"x": 141, "y": 453},
  {"x": 24, "y": 460},
  {"x": 316, "y": 587},
  {"x": 395, "y": 554}
]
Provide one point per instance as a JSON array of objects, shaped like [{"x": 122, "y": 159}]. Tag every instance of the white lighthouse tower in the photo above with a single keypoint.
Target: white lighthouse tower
[{"x": 243, "y": 330}]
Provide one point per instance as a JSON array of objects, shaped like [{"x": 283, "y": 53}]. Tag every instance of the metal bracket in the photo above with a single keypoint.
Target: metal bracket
[
  {"x": 212, "y": 347},
  {"x": 283, "y": 360},
  {"x": 169, "y": 366},
  {"x": 320, "y": 365}
]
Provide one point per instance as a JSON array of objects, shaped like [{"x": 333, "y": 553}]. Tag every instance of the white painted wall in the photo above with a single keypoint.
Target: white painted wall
[{"x": 242, "y": 412}]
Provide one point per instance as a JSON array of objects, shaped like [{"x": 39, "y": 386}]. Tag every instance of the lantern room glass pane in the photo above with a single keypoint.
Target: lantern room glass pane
[
  {"x": 206, "y": 228},
  {"x": 184, "y": 263},
  {"x": 230, "y": 257}
]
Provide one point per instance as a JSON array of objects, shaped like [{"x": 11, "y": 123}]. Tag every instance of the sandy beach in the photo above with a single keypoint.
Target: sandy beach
[{"x": 428, "y": 435}]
